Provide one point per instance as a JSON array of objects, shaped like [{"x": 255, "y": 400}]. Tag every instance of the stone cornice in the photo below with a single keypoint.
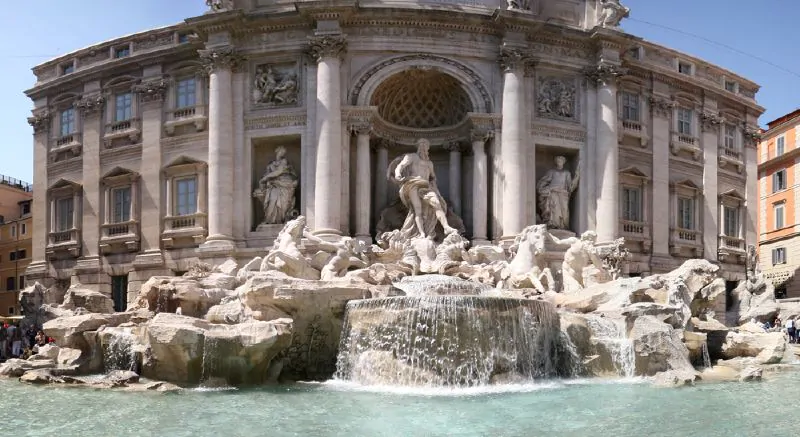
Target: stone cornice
[{"x": 324, "y": 46}]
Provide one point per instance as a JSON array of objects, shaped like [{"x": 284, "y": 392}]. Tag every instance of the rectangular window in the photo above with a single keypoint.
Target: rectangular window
[
  {"x": 12, "y": 256},
  {"x": 632, "y": 204},
  {"x": 686, "y": 213},
  {"x": 21, "y": 282},
  {"x": 23, "y": 229},
  {"x": 67, "y": 121},
  {"x": 778, "y": 211},
  {"x": 684, "y": 121},
  {"x": 123, "y": 106},
  {"x": 26, "y": 208},
  {"x": 186, "y": 196},
  {"x": 730, "y": 221},
  {"x": 630, "y": 106},
  {"x": 10, "y": 284},
  {"x": 22, "y": 254},
  {"x": 730, "y": 137},
  {"x": 779, "y": 180},
  {"x": 635, "y": 53},
  {"x": 120, "y": 205},
  {"x": 730, "y": 86},
  {"x": 186, "y": 93},
  {"x": 779, "y": 255},
  {"x": 64, "y": 209},
  {"x": 67, "y": 68},
  {"x": 183, "y": 38},
  {"x": 13, "y": 231},
  {"x": 780, "y": 146},
  {"x": 684, "y": 68},
  {"x": 121, "y": 52}
]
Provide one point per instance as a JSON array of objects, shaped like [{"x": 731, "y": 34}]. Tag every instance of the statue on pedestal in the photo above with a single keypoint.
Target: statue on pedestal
[
  {"x": 555, "y": 189},
  {"x": 612, "y": 13},
  {"x": 528, "y": 266},
  {"x": 276, "y": 189},
  {"x": 413, "y": 172}
]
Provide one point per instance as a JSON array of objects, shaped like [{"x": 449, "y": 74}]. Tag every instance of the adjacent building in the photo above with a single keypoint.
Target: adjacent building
[
  {"x": 16, "y": 233},
  {"x": 778, "y": 189},
  {"x": 154, "y": 150}
]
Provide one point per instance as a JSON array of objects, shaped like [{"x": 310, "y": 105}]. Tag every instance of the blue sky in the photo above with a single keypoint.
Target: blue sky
[{"x": 38, "y": 31}]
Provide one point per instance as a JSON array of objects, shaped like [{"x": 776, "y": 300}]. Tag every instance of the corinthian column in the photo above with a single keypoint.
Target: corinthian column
[
  {"x": 220, "y": 63},
  {"x": 363, "y": 178},
  {"x": 480, "y": 199},
  {"x": 454, "y": 175},
  {"x": 607, "y": 160},
  {"x": 513, "y": 165},
  {"x": 381, "y": 184},
  {"x": 327, "y": 51}
]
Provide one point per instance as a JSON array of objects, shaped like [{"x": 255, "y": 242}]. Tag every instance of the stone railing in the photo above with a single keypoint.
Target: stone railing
[
  {"x": 633, "y": 129},
  {"x": 191, "y": 226},
  {"x": 66, "y": 141},
  {"x": 68, "y": 241},
  {"x": 686, "y": 236},
  {"x": 196, "y": 115},
  {"x": 629, "y": 227},
  {"x": 114, "y": 230},
  {"x": 732, "y": 157},
  {"x": 126, "y": 128},
  {"x": 122, "y": 236},
  {"x": 689, "y": 143},
  {"x": 731, "y": 243}
]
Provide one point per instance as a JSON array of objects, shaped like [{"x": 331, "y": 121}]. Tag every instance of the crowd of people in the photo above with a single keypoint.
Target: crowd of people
[{"x": 19, "y": 342}]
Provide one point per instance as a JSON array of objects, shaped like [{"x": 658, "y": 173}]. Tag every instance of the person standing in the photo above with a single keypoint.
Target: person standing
[{"x": 790, "y": 329}]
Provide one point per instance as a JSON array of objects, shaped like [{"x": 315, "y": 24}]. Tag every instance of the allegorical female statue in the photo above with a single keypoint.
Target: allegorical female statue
[
  {"x": 276, "y": 190},
  {"x": 555, "y": 189}
]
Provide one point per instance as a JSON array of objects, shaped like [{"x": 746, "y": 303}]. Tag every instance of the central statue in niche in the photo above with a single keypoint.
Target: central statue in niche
[
  {"x": 555, "y": 188},
  {"x": 414, "y": 173}
]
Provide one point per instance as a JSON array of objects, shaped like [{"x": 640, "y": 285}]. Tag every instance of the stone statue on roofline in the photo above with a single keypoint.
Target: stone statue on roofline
[{"x": 612, "y": 13}]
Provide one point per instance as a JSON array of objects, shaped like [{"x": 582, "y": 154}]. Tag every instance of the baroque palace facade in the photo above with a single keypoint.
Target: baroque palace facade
[{"x": 199, "y": 140}]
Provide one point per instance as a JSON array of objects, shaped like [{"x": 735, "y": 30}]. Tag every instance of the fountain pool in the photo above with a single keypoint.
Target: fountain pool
[{"x": 564, "y": 408}]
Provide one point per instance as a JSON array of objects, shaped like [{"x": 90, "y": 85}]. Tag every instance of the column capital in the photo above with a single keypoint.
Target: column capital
[
  {"x": 710, "y": 121},
  {"x": 152, "y": 90},
  {"x": 326, "y": 46},
  {"x": 511, "y": 58},
  {"x": 661, "y": 106},
  {"x": 454, "y": 146},
  {"x": 216, "y": 58},
  {"x": 751, "y": 134},
  {"x": 480, "y": 135},
  {"x": 40, "y": 121},
  {"x": 382, "y": 143},
  {"x": 604, "y": 73},
  {"x": 90, "y": 105},
  {"x": 360, "y": 127}
]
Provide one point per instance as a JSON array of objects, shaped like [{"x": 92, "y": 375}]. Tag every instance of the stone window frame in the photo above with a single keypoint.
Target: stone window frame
[
  {"x": 775, "y": 251},
  {"x": 775, "y": 206},
  {"x": 635, "y": 53},
  {"x": 113, "y": 50},
  {"x": 726, "y": 81},
  {"x": 121, "y": 128},
  {"x": 58, "y": 106},
  {"x": 632, "y": 177},
  {"x": 71, "y": 65},
  {"x": 680, "y": 62},
  {"x": 686, "y": 189},
  {"x": 124, "y": 233},
  {"x": 182, "y": 168},
  {"x": 732, "y": 199},
  {"x": 69, "y": 239},
  {"x": 780, "y": 139},
  {"x": 775, "y": 187},
  {"x": 197, "y": 114}
]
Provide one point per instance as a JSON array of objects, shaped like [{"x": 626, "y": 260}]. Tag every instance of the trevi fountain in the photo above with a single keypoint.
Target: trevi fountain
[{"x": 420, "y": 330}]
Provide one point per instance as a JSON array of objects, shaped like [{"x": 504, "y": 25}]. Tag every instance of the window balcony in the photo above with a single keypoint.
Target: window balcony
[
  {"x": 131, "y": 129},
  {"x": 633, "y": 129},
  {"x": 119, "y": 237},
  {"x": 682, "y": 142},
  {"x": 732, "y": 249},
  {"x": 61, "y": 243},
  {"x": 636, "y": 232},
  {"x": 195, "y": 115},
  {"x": 686, "y": 242},
  {"x": 728, "y": 156},
  {"x": 66, "y": 147},
  {"x": 184, "y": 227}
]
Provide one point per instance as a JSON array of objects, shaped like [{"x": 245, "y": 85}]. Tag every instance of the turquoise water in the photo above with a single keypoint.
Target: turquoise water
[{"x": 576, "y": 408}]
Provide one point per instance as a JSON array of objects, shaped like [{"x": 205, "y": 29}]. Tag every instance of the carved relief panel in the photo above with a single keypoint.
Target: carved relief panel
[
  {"x": 557, "y": 98},
  {"x": 276, "y": 84}
]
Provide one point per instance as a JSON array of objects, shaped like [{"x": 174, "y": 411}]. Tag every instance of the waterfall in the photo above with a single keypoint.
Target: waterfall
[
  {"x": 433, "y": 285},
  {"x": 451, "y": 341},
  {"x": 118, "y": 353},
  {"x": 611, "y": 340},
  {"x": 706, "y": 357}
]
